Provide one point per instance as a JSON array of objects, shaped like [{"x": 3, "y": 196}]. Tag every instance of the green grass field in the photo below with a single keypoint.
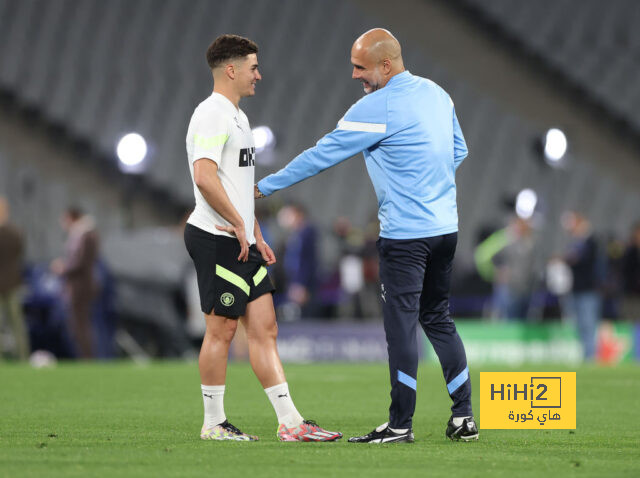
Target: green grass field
[{"x": 121, "y": 419}]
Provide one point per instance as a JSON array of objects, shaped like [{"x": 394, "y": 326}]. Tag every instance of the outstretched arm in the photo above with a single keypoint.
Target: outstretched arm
[{"x": 361, "y": 127}]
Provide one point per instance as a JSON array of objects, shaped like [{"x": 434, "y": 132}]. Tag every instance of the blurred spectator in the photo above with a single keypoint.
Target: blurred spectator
[
  {"x": 613, "y": 287},
  {"x": 350, "y": 267},
  {"x": 586, "y": 261},
  {"x": 506, "y": 259},
  {"x": 631, "y": 276},
  {"x": 11, "y": 255},
  {"x": 104, "y": 316},
  {"x": 77, "y": 268},
  {"x": 358, "y": 269},
  {"x": 300, "y": 260},
  {"x": 371, "y": 304},
  {"x": 46, "y": 315}
]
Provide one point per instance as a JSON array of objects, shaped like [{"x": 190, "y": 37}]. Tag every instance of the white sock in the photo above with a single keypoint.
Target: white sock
[
  {"x": 213, "y": 398},
  {"x": 399, "y": 430},
  {"x": 283, "y": 405},
  {"x": 457, "y": 421}
]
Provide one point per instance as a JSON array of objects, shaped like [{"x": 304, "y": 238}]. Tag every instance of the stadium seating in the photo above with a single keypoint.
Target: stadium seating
[
  {"x": 102, "y": 69},
  {"x": 593, "y": 44}
]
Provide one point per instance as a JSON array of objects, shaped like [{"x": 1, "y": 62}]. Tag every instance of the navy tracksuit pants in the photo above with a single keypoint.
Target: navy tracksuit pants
[{"x": 415, "y": 277}]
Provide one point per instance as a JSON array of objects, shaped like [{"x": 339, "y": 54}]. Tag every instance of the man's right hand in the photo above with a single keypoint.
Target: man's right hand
[{"x": 241, "y": 235}]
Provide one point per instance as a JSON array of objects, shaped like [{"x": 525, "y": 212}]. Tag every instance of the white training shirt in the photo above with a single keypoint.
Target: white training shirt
[{"x": 220, "y": 132}]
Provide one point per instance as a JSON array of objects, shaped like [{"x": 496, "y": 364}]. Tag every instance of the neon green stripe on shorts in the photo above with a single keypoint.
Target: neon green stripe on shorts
[
  {"x": 235, "y": 279},
  {"x": 262, "y": 272}
]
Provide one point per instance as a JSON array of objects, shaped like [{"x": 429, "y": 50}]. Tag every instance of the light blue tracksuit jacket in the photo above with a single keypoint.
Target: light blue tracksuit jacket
[{"x": 412, "y": 145}]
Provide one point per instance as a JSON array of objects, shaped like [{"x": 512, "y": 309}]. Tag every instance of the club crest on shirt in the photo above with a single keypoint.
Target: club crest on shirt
[{"x": 247, "y": 157}]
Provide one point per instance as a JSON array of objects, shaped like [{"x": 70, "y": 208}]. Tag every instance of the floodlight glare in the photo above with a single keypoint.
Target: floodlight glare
[
  {"x": 263, "y": 138},
  {"x": 555, "y": 145},
  {"x": 526, "y": 203},
  {"x": 559, "y": 277},
  {"x": 132, "y": 149}
]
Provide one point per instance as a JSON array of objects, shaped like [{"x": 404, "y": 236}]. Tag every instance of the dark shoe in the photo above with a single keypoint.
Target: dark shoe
[
  {"x": 466, "y": 432},
  {"x": 383, "y": 434}
]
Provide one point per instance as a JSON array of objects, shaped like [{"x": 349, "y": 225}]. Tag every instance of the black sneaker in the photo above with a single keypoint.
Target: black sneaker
[
  {"x": 466, "y": 432},
  {"x": 383, "y": 434}
]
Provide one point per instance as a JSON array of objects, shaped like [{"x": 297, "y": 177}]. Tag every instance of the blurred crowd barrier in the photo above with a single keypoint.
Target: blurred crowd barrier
[{"x": 134, "y": 294}]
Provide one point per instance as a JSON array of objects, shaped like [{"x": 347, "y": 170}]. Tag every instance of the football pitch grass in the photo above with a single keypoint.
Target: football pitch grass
[{"x": 123, "y": 419}]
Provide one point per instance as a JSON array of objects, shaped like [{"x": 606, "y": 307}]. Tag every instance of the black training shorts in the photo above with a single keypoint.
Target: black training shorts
[{"x": 226, "y": 285}]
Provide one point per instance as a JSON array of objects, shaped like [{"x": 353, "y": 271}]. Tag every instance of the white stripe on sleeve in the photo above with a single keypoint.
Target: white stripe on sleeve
[{"x": 363, "y": 127}]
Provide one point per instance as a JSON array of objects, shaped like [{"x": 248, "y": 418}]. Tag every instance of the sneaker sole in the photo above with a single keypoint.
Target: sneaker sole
[
  {"x": 382, "y": 441},
  {"x": 206, "y": 438},
  {"x": 309, "y": 440},
  {"x": 464, "y": 438},
  {"x": 391, "y": 440}
]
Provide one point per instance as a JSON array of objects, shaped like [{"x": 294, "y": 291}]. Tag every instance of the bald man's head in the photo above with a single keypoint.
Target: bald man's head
[
  {"x": 379, "y": 44},
  {"x": 376, "y": 57}
]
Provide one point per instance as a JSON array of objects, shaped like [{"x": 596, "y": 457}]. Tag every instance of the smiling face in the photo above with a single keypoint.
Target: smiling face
[
  {"x": 366, "y": 70},
  {"x": 246, "y": 75}
]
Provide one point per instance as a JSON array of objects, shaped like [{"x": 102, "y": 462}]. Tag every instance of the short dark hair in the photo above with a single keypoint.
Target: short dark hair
[{"x": 226, "y": 47}]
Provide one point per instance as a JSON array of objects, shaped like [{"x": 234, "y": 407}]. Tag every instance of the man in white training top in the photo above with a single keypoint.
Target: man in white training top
[{"x": 224, "y": 240}]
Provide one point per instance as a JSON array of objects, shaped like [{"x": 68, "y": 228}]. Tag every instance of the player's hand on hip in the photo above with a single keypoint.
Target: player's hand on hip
[
  {"x": 256, "y": 192},
  {"x": 267, "y": 253},
  {"x": 241, "y": 235}
]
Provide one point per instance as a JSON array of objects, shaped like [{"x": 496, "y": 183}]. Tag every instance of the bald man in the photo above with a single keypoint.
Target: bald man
[{"x": 407, "y": 128}]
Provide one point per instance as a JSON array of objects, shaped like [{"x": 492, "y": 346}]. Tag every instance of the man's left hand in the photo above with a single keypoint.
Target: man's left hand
[{"x": 267, "y": 254}]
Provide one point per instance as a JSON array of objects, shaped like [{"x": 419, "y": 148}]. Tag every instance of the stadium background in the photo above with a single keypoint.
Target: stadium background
[{"x": 77, "y": 75}]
